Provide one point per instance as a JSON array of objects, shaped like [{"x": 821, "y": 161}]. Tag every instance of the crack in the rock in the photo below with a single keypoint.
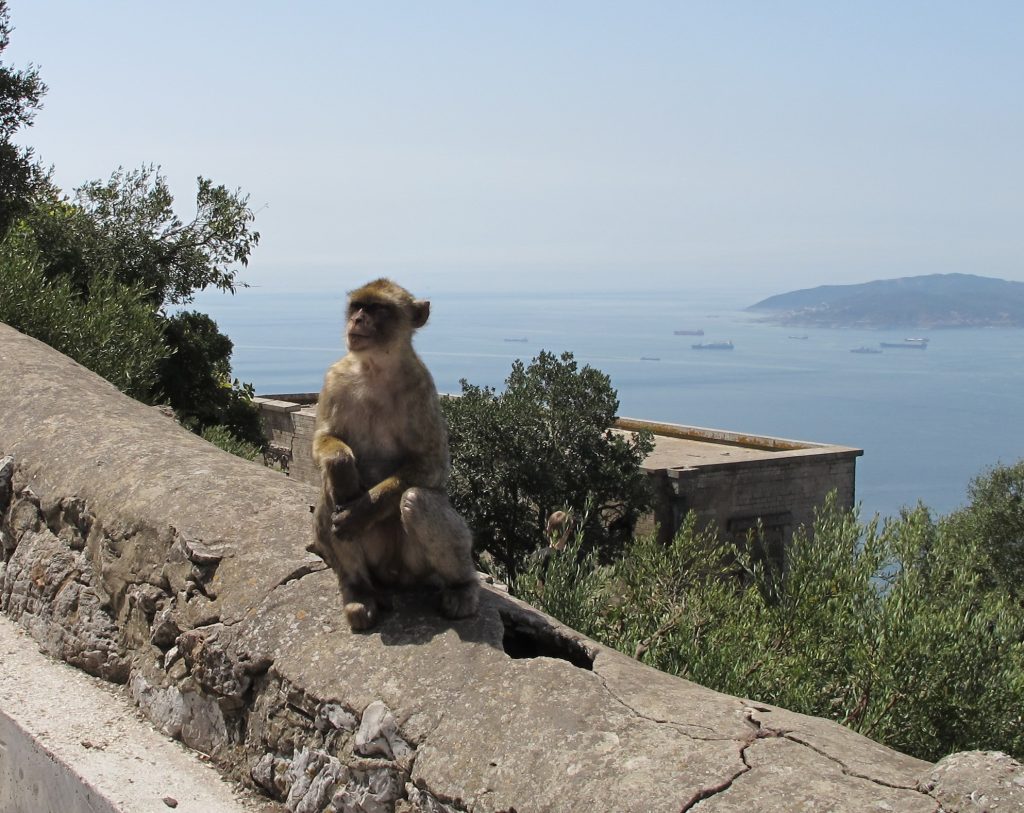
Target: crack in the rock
[
  {"x": 706, "y": 792},
  {"x": 301, "y": 572},
  {"x": 454, "y": 803},
  {"x": 758, "y": 732},
  {"x": 848, "y": 771},
  {"x": 680, "y": 727}
]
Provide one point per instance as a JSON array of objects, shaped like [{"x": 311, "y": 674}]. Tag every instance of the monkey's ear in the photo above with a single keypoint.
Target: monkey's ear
[{"x": 420, "y": 312}]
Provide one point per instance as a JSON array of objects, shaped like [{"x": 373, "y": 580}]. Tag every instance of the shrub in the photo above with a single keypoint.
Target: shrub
[
  {"x": 889, "y": 630},
  {"x": 221, "y": 437},
  {"x": 115, "y": 332},
  {"x": 995, "y": 517},
  {"x": 195, "y": 379}
]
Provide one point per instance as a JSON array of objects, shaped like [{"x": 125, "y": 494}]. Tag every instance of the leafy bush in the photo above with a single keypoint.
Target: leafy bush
[
  {"x": 114, "y": 332},
  {"x": 995, "y": 517},
  {"x": 541, "y": 445},
  {"x": 222, "y": 437},
  {"x": 890, "y": 630},
  {"x": 195, "y": 379}
]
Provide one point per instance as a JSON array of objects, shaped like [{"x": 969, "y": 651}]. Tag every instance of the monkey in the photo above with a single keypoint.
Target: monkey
[
  {"x": 383, "y": 520},
  {"x": 560, "y": 526}
]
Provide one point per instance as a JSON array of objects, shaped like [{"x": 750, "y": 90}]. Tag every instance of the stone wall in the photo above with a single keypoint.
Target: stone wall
[
  {"x": 135, "y": 550},
  {"x": 779, "y": 496},
  {"x": 288, "y": 427}
]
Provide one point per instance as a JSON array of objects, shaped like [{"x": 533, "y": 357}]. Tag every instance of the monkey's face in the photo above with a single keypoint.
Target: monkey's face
[
  {"x": 382, "y": 316},
  {"x": 372, "y": 323}
]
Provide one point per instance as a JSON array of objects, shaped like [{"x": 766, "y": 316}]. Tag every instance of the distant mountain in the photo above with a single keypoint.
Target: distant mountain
[{"x": 932, "y": 301}]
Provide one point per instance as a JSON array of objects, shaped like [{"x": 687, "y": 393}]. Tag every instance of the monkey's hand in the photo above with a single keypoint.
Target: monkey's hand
[
  {"x": 352, "y": 517},
  {"x": 379, "y": 503}
]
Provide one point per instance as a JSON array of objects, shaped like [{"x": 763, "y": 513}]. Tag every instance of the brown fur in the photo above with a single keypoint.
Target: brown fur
[{"x": 383, "y": 519}]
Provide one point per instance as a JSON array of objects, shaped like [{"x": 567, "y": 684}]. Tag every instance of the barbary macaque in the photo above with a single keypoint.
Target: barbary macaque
[{"x": 383, "y": 520}]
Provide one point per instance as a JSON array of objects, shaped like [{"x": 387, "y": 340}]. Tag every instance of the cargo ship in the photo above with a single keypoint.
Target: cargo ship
[
  {"x": 727, "y": 345},
  {"x": 908, "y": 344}
]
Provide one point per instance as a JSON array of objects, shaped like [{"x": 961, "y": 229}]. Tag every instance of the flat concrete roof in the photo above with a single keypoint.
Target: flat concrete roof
[
  {"x": 685, "y": 447},
  {"x": 676, "y": 446}
]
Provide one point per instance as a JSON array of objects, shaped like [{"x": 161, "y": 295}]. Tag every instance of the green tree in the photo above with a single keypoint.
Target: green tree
[
  {"x": 196, "y": 379},
  {"x": 543, "y": 444},
  {"x": 21, "y": 93},
  {"x": 995, "y": 516},
  {"x": 99, "y": 276},
  {"x": 140, "y": 238},
  {"x": 122, "y": 237}
]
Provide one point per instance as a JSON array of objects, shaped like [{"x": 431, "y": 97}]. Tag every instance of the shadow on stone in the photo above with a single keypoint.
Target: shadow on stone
[{"x": 414, "y": 620}]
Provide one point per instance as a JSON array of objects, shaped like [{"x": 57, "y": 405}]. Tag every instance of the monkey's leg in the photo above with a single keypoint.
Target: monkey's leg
[
  {"x": 348, "y": 561},
  {"x": 361, "y": 607},
  {"x": 439, "y": 538},
  {"x": 357, "y": 591}
]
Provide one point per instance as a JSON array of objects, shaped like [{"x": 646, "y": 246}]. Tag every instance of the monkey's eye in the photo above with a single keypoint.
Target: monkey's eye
[{"x": 369, "y": 308}]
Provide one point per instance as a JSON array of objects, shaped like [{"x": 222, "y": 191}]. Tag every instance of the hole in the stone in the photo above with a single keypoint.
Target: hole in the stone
[{"x": 528, "y": 641}]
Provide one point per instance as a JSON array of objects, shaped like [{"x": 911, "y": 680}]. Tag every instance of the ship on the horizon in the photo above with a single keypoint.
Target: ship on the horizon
[
  {"x": 908, "y": 344},
  {"x": 871, "y": 350},
  {"x": 726, "y": 345}
]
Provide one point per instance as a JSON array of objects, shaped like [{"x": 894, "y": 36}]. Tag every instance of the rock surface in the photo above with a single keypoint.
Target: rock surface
[{"x": 143, "y": 555}]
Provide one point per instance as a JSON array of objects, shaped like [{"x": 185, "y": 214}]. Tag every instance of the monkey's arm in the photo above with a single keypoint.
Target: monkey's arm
[
  {"x": 337, "y": 466},
  {"x": 328, "y": 447},
  {"x": 380, "y": 502},
  {"x": 427, "y": 469}
]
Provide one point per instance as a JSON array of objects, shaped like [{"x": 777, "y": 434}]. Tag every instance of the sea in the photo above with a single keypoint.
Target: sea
[{"x": 928, "y": 420}]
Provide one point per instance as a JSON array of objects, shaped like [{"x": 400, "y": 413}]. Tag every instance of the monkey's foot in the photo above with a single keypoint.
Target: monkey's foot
[
  {"x": 460, "y": 600},
  {"x": 361, "y": 615},
  {"x": 324, "y": 553}
]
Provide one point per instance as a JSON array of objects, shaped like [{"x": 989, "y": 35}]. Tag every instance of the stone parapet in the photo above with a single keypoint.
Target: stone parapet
[{"x": 145, "y": 555}]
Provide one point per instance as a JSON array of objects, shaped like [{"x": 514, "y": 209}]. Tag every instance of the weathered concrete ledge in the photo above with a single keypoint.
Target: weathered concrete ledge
[
  {"x": 71, "y": 743},
  {"x": 143, "y": 555}
]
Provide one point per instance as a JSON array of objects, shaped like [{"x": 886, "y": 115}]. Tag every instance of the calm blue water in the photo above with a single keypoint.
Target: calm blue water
[{"x": 928, "y": 421}]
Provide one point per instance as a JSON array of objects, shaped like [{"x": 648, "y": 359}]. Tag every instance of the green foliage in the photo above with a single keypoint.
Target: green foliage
[
  {"x": 122, "y": 240},
  {"x": 126, "y": 227},
  {"x": 995, "y": 516},
  {"x": 541, "y": 445},
  {"x": 890, "y": 630},
  {"x": 143, "y": 240},
  {"x": 222, "y": 437},
  {"x": 21, "y": 93},
  {"x": 114, "y": 332},
  {"x": 196, "y": 378}
]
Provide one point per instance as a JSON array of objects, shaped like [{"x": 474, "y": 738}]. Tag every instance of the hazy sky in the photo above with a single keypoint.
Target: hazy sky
[{"x": 770, "y": 145}]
